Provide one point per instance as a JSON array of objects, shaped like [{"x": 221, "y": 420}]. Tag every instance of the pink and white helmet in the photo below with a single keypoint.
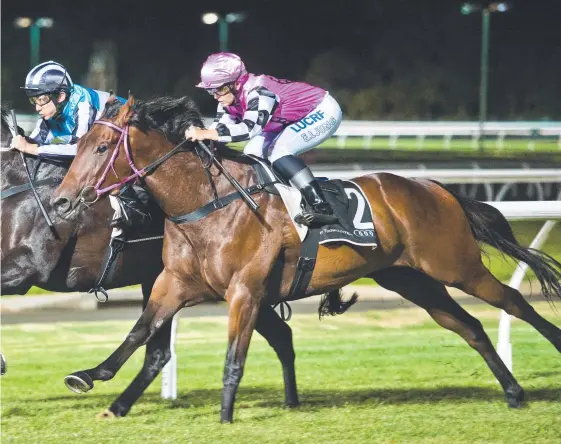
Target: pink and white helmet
[{"x": 221, "y": 68}]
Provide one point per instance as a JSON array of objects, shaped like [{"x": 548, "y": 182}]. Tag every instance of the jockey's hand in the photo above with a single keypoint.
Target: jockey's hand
[
  {"x": 20, "y": 143},
  {"x": 194, "y": 133}
]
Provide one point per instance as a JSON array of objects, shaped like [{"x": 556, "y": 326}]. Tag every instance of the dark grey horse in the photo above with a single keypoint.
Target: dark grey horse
[{"x": 33, "y": 256}]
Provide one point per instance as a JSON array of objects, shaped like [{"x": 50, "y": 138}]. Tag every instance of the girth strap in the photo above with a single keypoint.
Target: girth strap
[
  {"x": 27, "y": 186},
  {"x": 306, "y": 264},
  {"x": 216, "y": 204}
]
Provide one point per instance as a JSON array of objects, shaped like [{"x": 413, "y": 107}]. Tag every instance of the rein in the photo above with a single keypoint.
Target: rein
[
  {"x": 12, "y": 191},
  {"x": 124, "y": 140}
]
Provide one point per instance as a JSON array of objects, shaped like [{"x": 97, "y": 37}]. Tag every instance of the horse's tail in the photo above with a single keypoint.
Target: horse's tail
[
  {"x": 489, "y": 226},
  {"x": 332, "y": 303}
]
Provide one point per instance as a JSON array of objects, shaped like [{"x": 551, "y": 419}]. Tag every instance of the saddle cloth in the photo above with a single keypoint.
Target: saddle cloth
[{"x": 349, "y": 204}]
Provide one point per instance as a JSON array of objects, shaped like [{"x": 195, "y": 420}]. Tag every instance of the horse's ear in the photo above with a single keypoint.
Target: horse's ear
[
  {"x": 126, "y": 111},
  {"x": 112, "y": 97}
]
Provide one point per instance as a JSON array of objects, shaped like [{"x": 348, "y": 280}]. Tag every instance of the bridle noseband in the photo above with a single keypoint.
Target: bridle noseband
[{"x": 124, "y": 140}]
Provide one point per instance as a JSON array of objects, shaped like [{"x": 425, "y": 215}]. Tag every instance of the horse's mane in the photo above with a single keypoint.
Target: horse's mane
[
  {"x": 4, "y": 121},
  {"x": 167, "y": 115},
  {"x": 4, "y": 109}
]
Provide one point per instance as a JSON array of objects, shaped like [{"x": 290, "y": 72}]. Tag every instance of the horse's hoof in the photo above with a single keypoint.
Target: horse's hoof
[
  {"x": 515, "y": 397},
  {"x": 514, "y": 404},
  {"x": 79, "y": 382},
  {"x": 292, "y": 405},
  {"x": 226, "y": 421},
  {"x": 3, "y": 364},
  {"x": 106, "y": 414}
]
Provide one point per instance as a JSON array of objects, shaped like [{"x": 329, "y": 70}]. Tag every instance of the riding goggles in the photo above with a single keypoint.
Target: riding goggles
[
  {"x": 41, "y": 100},
  {"x": 220, "y": 91}
]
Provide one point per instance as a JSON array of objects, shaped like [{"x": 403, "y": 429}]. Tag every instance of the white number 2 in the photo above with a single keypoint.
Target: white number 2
[{"x": 359, "y": 210}]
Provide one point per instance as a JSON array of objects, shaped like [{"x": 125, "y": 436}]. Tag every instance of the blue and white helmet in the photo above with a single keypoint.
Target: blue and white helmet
[{"x": 47, "y": 78}]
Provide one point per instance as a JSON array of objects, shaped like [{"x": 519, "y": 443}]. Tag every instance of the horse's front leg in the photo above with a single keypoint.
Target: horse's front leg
[
  {"x": 243, "y": 310},
  {"x": 168, "y": 296},
  {"x": 158, "y": 353}
]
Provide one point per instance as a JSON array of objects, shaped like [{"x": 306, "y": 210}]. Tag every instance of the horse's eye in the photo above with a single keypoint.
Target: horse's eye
[{"x": 101, "y": 148}]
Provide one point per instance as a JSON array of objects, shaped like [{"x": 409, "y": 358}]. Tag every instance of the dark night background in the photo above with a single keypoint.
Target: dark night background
[{"x": 382, "y": 59}]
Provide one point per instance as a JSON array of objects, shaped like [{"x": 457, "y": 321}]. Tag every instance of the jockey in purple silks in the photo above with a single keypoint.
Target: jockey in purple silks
[{"x": 280, "y": 118}]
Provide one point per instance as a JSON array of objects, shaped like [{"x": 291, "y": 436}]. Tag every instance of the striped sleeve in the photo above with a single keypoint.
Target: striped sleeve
[
  {"x": 261, "y": 104},
  {"x": 58, "y": 151},
  {"x": 84, "y": 116},
  {"x": 40, "y": 132},
  {"x": 222, "y": 117}
]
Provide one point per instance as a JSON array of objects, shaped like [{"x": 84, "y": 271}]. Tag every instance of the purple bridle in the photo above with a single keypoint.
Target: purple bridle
[{"x": 123, "y": 139}]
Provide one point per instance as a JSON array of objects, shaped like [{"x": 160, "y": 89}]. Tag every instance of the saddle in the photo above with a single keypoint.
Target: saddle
[{"x": 355, "y": 223}]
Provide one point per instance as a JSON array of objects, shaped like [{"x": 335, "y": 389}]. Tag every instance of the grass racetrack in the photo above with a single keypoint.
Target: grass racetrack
[{"x": 389, "y": 376}]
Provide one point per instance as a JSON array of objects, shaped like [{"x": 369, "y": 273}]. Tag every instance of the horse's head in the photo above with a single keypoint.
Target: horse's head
[{"x": 99, "y": 166}]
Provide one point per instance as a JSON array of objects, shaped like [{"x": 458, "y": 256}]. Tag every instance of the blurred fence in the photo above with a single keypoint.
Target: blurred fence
[
  {"x": 530, "y": 132},
  {"x": 447, "y": 131}
]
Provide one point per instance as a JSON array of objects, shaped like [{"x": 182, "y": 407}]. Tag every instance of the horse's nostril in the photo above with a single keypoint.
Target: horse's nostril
[{"x": 62, "y": 205}]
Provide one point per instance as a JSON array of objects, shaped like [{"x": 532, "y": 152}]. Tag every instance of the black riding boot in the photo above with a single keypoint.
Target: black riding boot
[
  {"x": 133, "y": 206},
  {"x": 295, "y": 171}
]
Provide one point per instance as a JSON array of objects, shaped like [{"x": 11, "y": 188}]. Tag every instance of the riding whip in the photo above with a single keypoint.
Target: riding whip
[
  {"x": 253, "y": 205},
  {"x": 45, "y": 214}
]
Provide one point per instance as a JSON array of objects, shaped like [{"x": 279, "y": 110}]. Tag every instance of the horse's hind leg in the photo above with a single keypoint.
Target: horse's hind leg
[
  {"x": 486, "y": 287},
  {"x": 158, "y": 353},
  {"x": 279, "y": 336},
  {"x": 168, "y": 296},
  {"x": 434, "y": 298}
]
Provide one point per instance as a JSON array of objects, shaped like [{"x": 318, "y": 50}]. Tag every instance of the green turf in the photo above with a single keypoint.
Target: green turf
[
  {"x": 404, "y": 148},
  {"x": 509, "y": 146},
  {"x": 377, "y": 377}
]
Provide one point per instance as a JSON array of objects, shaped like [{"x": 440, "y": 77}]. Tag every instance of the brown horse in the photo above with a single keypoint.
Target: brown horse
[{"x": 428, "y": 239}]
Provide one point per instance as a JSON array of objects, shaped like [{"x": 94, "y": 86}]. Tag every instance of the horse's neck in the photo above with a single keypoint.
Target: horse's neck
[
  {"x": 5, "y": 139},
  {"x": 181, "y": 184},
  {"x": 13, "y": 172}
]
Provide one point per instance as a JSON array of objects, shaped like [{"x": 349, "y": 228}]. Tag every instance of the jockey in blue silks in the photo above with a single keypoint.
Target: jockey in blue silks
[{"x": 67, "y": 112}]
